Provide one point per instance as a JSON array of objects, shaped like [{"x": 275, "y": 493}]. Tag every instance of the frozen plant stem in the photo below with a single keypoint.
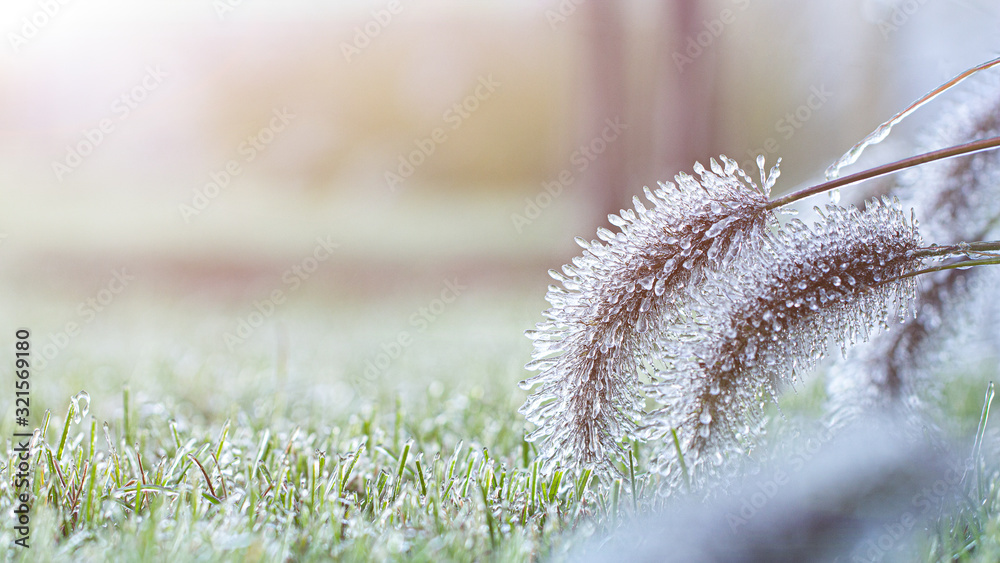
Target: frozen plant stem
[
  {"x": 966, "y": 248},
  {"x": 958, "y": 150},
  {"x": 956, "y": 265},
  {"x": 882, "y": 131}
]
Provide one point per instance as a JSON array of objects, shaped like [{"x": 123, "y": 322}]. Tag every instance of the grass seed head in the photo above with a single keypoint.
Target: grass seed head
[
  {"x": 619, "y": 294},
  {"x": 768, "y": 319}
]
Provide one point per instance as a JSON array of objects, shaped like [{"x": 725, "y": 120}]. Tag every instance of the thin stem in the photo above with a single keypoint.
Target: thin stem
[
  {"x": 953, "y": 266},
  {"x": 960, "y": 248},
  {"x": 882, "y": 131},
  {"x": 958, "y": 150}
]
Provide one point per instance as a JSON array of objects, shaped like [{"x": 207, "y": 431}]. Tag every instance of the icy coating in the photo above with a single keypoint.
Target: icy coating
[
  {"x": 718, "y": 306},
  {"x": 616, "y": 298},
  {"x": 883, "y": 130}
]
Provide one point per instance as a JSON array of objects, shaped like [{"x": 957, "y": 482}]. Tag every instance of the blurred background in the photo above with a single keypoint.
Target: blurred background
[{"x": 344, "y": 194}]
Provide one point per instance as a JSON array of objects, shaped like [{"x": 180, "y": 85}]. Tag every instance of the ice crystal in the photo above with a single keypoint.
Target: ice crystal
[
  {"x": 768, "y": 319},
  {"x": 616, "y": 297},
  {"x": 883, "y": 130}
]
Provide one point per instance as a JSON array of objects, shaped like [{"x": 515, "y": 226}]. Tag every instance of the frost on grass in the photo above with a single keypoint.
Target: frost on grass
[
  {"x": 957, "y": 200},
  {"x": 758, "y": 326},
  {"x": 619, "y": 294}
]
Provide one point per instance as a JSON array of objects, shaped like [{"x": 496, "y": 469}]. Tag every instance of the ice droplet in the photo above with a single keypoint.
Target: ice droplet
[
  {"x": 772, "y": 176},
  {"x": 716, "y": 247},
  {"x": 719, "y": 226},
  {"x": 541, "y": 364},
  {"x": 852, "y": 155},
  {"x": 661, "y": 287},
  {"x": 80, "y": 410},
  {"x": 835, "y": 196},
  {"x": 107, "y": 436},
  {"x": 645, "y": 305},
  {"x": 706, "y": 417}
]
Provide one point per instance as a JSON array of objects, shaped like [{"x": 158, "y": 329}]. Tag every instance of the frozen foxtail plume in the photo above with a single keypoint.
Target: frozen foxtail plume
[
  {"x": 768, "y": 318},
  {"x": 957, "y": 200},
  {"x": 700, "y": 291},
  {"x": 616, "y": 298}
]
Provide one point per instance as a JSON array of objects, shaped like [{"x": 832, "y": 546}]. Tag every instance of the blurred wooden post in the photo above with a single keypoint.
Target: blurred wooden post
[
  {"x": 607, "y": 178},
  {"x": 684, "y": 122},
  {"x": 679, "y": 127}
]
